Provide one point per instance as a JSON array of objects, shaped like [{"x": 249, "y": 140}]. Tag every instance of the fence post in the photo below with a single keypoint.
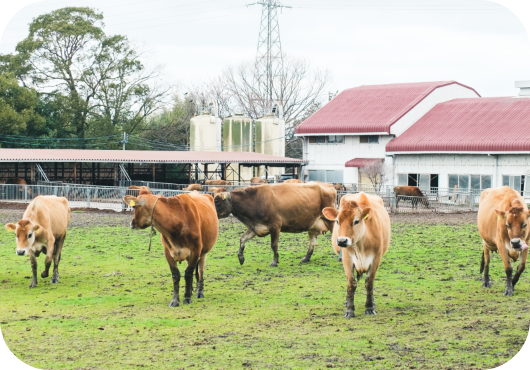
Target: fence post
[
  {"x": 25, "y": 193},
  {"x": 472, "y": 200},
  {"x": 393, "y": 204},
  {"x": 88, "y": 198}
]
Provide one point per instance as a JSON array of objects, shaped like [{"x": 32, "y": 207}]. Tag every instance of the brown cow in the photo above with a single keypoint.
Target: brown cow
[
  {"x": 271, "y": 209},
  {"x": 339, "y": 187},
  {"x": 192, "y": 187},
  {"x": 503, "y": 225},
  {"x": 217, "y": 190},
  {"x": 217, "y": 182},
  {"x": 16, "y": 181},
  {"x": 410, "y": 192},
  {"x": 363, "y": 234},
  {"x": 293, "y": 181},
  {"x": 188, "y": 227},
  {"x": 134, "y": 187},
  {"x": 257, "y": 181},
  {"x": 43, "y": 229}
]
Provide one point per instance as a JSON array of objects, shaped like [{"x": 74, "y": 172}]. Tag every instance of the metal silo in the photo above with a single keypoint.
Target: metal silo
[
  {"x": 237, "y": 133},
  {"x": 270, "y": 138},
  {"x": 202, "y": 132}
]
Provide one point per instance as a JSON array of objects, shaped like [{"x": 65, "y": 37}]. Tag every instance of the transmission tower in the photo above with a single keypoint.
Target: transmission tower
[{"x": 269, "y": 61}]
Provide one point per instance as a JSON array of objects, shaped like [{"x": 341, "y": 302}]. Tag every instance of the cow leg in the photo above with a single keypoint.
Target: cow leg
[
  {"x": 521, "y": 267},
  {"x": 485, "y": 266},
  {"x": 49, "y": 257},
  {"x": 275, "y": 237},
  {"x": 369, "y": 285},
  {"x": 508, "y": 291},
  {"x": 199, "y": 275},
  {"x": 249, "y": 234},
  {"x": 57, "y": 258},
  {"x": 33, "y": 260},
  {"x": 175, "y": 275},
  {"x": 312, "y": 243},
  {"x": 188, "y": 277},
  {"x": 397, "y": 202},
  {"x": 352, "y": 285}
]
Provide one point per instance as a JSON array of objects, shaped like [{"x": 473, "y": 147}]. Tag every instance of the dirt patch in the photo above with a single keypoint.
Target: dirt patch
[{"x": 435, "y": 218}]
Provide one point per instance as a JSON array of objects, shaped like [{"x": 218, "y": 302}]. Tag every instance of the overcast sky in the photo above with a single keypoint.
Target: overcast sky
[{"x": 478, "y": 43}]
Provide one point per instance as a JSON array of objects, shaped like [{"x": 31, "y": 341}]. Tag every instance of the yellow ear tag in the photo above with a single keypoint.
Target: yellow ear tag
[
  {"x": 500, "y": 218},
  {"x": 224, "y": 196},
  {"x": 10, "y": 230},
  {"x": 38, "y": 231},
  {"x": 132, "y": 204},
  {"x": 365, "y": 217}
]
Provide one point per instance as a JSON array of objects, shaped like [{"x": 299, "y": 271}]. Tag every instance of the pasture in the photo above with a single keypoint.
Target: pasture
[{"x": 110, "y": 309}]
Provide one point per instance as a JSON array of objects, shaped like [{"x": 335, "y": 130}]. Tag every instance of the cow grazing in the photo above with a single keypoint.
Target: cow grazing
[
  {"x": 293, "y": 181},
  {"x": 192, "y": 187},
  {"x": 42, "y": 230},
  {"x": 503, "y": 225},
  {"x": 410, "y": 192},
  {"x": 362, "y": 231},
  {"x": 271, "y": 209},
  {"x": 217, "y": 182},
  {"x": 188, "y": 227},
  {"x": 257, "y": 181}
]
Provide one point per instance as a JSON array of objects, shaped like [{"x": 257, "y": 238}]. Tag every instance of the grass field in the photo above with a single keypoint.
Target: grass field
[{"x": 110, "y": 310}]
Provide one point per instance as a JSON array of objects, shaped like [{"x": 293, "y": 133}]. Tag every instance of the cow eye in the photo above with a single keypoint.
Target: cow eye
[
  {"x": 508, "y": 226},
  {"x": 337, "y": 221},
  {"x": 356, "y": 222},
  {"x": 29, "y": 236},
  {"x": 524, "y": 225}
]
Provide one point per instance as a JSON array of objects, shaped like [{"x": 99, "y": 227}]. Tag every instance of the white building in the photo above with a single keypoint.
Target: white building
[{"x": 355, "y": 127}]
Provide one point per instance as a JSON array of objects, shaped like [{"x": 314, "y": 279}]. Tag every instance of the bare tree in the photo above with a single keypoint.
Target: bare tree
[{"x": 378, "y": 173}]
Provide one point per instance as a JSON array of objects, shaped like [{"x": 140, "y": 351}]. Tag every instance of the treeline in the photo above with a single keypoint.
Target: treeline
[{"x": 69, "y": 84}]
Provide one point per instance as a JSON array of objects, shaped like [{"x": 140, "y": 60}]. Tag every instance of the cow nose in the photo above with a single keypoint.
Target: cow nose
[
  {"x": 516, "y": 243},
  {"x": 132, "y": 225},
  {"x": 342, "y": 242},
  {"x": 21, "y": 252}
]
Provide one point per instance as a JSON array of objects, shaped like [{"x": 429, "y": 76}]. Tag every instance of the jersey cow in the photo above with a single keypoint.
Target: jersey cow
[
  {"x": 257, "y": 181},
  {"x": 42, "y": 230},
  {"x": 217, "y": 182},
  {"x": 192, "y": 187},
  {"x": 272, "y": 209},
  {"x": 503, "y": 226},
  {"x": 362, "y": 232},
  {"x": 410, "y": 192},
  {"x": 188, "y": 227},
  {"x": 293, "y": 181}
]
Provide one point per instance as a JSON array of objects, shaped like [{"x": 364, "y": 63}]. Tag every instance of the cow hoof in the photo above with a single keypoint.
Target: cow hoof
[
  {"x": 274, "y": 264},
  {"x": 349, "y": 314},
  {"x": 486, "y": 284},
  {"x": 32, "y": 285},
  {"x": 241, "y": 259},
  {"x": 44, "y": 274},
  {"x": 370, "y": 311},
  {"x": 187, "y": 300},
  {"x": 508, "y": 292},
  {"x": 55, "y": 281},
  {"x": 174, "y": 303},
  {"x": 339, "y": 259},
  {"x": 305, "y": 259},
  {"x": 200, "y": 294}
]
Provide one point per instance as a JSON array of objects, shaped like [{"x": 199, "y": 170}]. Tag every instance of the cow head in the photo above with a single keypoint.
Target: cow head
[
  {"x": 25, "y": 233},
  {"x": 143, "y": 208},
  {"x": 515, "y": 220},
  {"x": 350, "y": 220},
  {"x": 223, "y": 205}
]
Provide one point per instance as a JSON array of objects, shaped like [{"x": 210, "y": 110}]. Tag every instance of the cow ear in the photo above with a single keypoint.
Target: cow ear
[
  {"x": 330, "y": 213},
  {"x": 10, "y": 227},
  {"x": 130, "y": 200},
  {"x": 367, "y": 212},
  {"x": 500, "y": 214},
  {"x": 37, "y": 229}
]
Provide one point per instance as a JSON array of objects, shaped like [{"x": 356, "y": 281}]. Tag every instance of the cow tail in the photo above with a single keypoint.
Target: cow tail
[{"x": 482, "y": 263}]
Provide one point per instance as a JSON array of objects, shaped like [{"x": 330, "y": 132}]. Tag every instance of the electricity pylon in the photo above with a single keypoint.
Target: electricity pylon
[{"x": 269, "y": 61}]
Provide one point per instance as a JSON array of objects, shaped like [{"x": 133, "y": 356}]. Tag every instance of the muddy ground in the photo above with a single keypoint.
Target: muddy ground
[{"x": 82, "y": 217}]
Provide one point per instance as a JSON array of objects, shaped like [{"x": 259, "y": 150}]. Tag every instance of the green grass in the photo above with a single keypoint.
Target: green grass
[{"x": 431, "y": 310}]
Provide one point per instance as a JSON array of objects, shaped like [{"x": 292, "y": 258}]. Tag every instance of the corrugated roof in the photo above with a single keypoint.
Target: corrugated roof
[
  {"x": 472, "y": 124},
  {"x": 137, "y": 156},
  {"x": 362, "y": 162},
  {"x": 372, "y": 108}
]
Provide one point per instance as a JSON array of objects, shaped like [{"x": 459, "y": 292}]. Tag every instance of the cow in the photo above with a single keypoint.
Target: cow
[
  {"x": 272, "y": 209},
  {"x": 293, "y": 181},
  {"x": 188, "y": 229},
  {"x": 257, "y": 181},
  {"x": 134, "y": 187},
  {"x": 362, "y": 232},
  {"x": 192, "y": 187},
  {"x": 503, "y": 226},
  {"x": 217, "y": 190},
  {"x": 402, "y": 192},
  {"x": 16, "y": 181},
  {"x": 42, "y": 229},
  {"x": 339, "y": 187},
  {"x": 217, "y": 182}
]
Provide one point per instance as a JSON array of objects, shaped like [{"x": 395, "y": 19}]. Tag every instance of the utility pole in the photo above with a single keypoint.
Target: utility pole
[
  {"x": 269, "y": 61},
  {"x": 125, "y": 139}
]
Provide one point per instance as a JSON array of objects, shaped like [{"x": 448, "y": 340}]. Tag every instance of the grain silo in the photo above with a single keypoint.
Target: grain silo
[
  {"x": 238, "y": 136},
  {"x": 202, "y": 132},
  {"x": 270, "y": 138}
]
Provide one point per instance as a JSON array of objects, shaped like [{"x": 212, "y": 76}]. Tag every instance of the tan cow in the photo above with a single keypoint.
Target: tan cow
[
  {"x": 134, "y": 187},
  {"x": 272, "y": 209},
  {"x": 503, "y": 226},
  {"x": 192, "y": 187},
  {"x": 43, "y": 229},
  {"x": 293, "y": 181},
  {"x": 188, "y": 227},
  {"x": 217, "y": 182},
  {"x": 363, "y": 234},
  {"x": 257, "y": 181},
  {"x": 217, "y": 190}
]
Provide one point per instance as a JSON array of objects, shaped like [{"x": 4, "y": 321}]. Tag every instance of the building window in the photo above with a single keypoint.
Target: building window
[
  {"x": 473, "y": 182},
  {"x": 514, "y": 182},
  {"x": 331, "y": 139},
  {"x": 370, "y": 139},
  {"x": 335, "y": 176},
  {"x": 422, "y": 180}
]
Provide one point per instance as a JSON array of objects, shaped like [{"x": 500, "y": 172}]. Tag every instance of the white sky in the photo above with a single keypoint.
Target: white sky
[{"x": 475, "y": 42}]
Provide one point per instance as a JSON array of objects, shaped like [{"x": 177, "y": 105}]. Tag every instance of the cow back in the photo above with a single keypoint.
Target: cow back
[{"x": 50, "y": 212}]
